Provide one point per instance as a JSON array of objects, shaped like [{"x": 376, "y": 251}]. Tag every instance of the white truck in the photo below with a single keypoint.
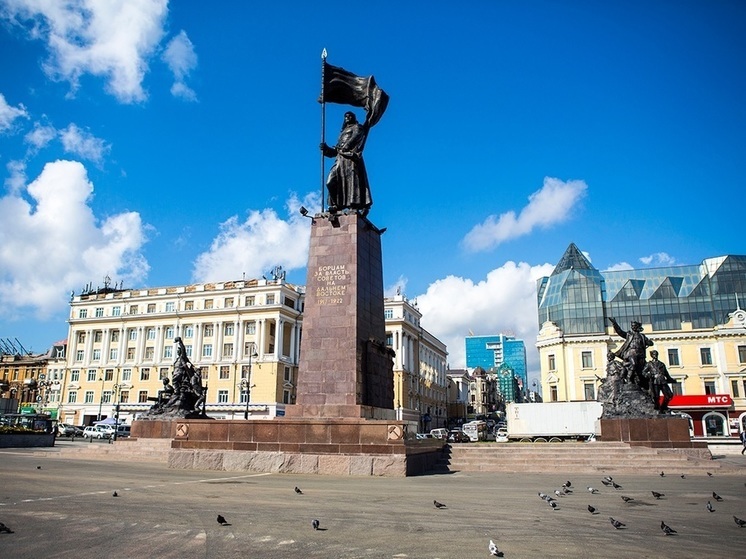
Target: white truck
[{"x": 553, "y": 421}]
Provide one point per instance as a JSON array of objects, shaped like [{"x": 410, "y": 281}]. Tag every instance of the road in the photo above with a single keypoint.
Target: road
[{"x": 61, "y": 507}]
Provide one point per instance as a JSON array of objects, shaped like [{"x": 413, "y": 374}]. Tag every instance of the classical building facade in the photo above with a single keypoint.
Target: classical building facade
[
  {"x": 243, "y": 335},
  {"x": 420, "y": 365},
  {"x": 691, "y": 313}
]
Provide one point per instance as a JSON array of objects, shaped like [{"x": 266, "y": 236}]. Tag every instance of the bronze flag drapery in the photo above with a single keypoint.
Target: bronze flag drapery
[{"x": 345, "y": 88}]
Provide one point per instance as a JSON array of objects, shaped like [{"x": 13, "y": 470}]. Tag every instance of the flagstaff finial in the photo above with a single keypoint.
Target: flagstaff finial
[{"x": 323, "y": 54}]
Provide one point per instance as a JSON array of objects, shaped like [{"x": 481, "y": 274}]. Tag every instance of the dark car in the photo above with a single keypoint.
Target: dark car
[
  {"x": 458, "y": 436},
  {"x": 67, "y": 430}
]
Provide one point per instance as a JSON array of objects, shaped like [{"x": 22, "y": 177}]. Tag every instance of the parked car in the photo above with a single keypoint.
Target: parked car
[
  {"x": 123, "y": 431},
  {"x": 439, "y": 433},
  {"x": 420, "y": 436},
  {"x": 458, "y": 436},
  {"x": 96, "y": 432},
  {"x": 108, "y": 429},
  {"x": 67, "y": 430}
]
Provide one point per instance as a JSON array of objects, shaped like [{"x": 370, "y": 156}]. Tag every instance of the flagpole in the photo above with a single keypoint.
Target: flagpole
[{"x": 323, "y": 125}]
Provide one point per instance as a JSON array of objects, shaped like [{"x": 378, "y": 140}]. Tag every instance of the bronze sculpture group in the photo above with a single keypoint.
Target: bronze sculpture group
[{"x": 633, "y": 386}]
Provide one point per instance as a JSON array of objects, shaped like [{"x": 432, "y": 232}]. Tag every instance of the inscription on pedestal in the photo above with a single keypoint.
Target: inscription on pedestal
[{"x": 331, "y": 284}]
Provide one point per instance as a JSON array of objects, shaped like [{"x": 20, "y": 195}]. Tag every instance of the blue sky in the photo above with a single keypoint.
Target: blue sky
[{"x": 167, "y": 143}]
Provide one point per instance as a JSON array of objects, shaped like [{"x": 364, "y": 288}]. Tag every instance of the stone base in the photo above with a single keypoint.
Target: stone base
[
  {"x": 338, "y": 411},
  {"x": 345, "y": 446},
  {"x": 656, "y": 432}
]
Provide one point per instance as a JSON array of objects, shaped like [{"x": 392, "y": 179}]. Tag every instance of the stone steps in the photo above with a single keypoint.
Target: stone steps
[
  {"x": 146, "y": 450},
  {"x": 577, "y": 457}
]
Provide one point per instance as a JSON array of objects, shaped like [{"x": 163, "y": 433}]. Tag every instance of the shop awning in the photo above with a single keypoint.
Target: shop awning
[{"x": 701, "y": 401}]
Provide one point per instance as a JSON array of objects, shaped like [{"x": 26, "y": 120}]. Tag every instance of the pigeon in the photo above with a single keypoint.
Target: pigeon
[
  {"x": 709, "y": 507},
  {"x": 221, "y": 520},
  {"x": 4, "y": 528},
  {"x": 558, "y": 493},
  {"x": 38, "y": 467},
  {"x": 566, "y": 490},
  {"x": 683, "y": 476},
  {"x": 616, "y": 485},
  {"x": 616, "y": 524},
  {"x": 553, "y": 504},
  {"x": 298, "y": 491},
  {"x": 115, "y": 494},
  {"x": 315, "y": 524},
  {"x": 606, "y": 482},
  {"x": 568, "y": 483},
  {"x": 591, "y": 509},
  {"x": 546, "y": 497},
  {"x": 592, "y": 489},
  {"x": 716, "y": 496},
  {"x": 739, "y": 522},
  {"x": 493, "y": 550},
  {"x": 608, "y": 478},
  {"x": 438, "y": 505},
  {"x": 709, "y": 474},
  {"x": 667, "y": 529},
  {"x": 658, "y": 495},
  {"x": 627, "y": 499},
  {"x": 662, "y": 474}
]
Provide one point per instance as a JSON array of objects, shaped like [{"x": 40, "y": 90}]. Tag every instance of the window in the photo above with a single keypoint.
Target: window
[
  {"x": 589, "y": 390},
  {"x": 388, "y": 314},
  {"x": 228, "y": 303},
  {"x": 163, "y": 373},
  {"x": 673, "y": 358},
  {"x": 113, "y": 354},
  {"x": 142, "y": 396},
  {"x": 289, "y": 302},
  {"x": 116, "y": 311},
  {"x": 126, "y": 375},
  {"x": 207, "y": 331},
  {"x": 227, "y": 350},
  {"x": 587, "y": 359},
  {"x": 169, "y": 332},
  {"x": 75, "y": 375},
  {"x": 81, "y": 337},
  {"x": 130, "y": 354},
  {"x": 72, "y": 397},
  {"x": 109, "y": 375},
  {"x": 208, "y": 303},
  {"x": 97, "y": 355},
  {"x": 286, "y": 396},
  {"x": 222, "y": 396},
  {"x": 150, "y": 332},
  {"x": 83, "y": 313},
  {"x": 288, "y": 374},
  {"x": 207, "y": 350},
  {"x": 249, "y": 301},
  {"x": 188, "y": 305},
  {"x": 228, "y": 329},
  {"x": 91, "y": 375},
  {"x": 168, "y": 352},
  {"x": 244, "y": 372},
  {"x": 149, "y": 353},
  {"x": 99, "y": 312},
  {"x": 151, "y": 308},
  {"x": 205, "y": 372},
  {"x": 79, "y": 355},
  {"x": 710, "y": 387},
  {"x": 133, "y": 309},
  {"x": 124, "y": 396},
  {"x": 132, "y": 334},
  {"x": 271, "y": 299},
  {"x": 742, "y": 354},
  {"x": 553, "y": 394},
  {"x": 244, "y": 396},
  {"x": 705, "y": 356},
  {"x": 97, "y": 336},
  {"x": 734, "y": 388},
  {"x": 145, "y": 373},
  {"x": 188, "y": 331},
  {"x": 88, "y": 397},
  {"x": 389, "y": 339},
  {"x": 676, "y": 388},
  {"x": 251, "y": 327},
  {"x": 188, "y": 348},
  {"x": 114, "y": 336},
  {"x": 552, "y": 363},
  {"x": 170, "y": 306},
  {"x": 225, "y": 372},
  {"x": 106, "y": 397}
]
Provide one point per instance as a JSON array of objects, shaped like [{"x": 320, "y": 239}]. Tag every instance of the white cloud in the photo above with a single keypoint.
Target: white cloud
[
  {"x": 83, "y": 144},
  {"x": 550, "y": 205},
  {"x": 258, "y": 244},
  {"x": 40, "y": 136},
  {"x": 16, "y": 176},
  {"x": 619, "y": 266},
  {"x": 181, "y": 60},
  {"x": 398, "y": 287},
  {"x": 111, "y": 39},
  {"x": 55, "y": 243},
  {"x": 658, "y": 259},
  {"x": 9, "y": 114},
  {"x": 504, "y": 301}
]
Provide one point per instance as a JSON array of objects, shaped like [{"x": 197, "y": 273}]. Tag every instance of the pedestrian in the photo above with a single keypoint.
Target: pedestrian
[{"x": 743, "y": 440}]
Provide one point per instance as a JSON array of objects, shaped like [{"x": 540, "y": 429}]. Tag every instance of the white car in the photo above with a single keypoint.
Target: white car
[{"x": 96, "y": 432}]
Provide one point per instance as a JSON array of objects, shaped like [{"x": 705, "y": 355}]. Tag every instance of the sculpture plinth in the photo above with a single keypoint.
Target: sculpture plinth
[{"x": 345, "y": 368}]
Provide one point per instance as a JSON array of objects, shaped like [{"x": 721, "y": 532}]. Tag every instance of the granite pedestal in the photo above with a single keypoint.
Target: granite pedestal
[{"x": 655, "y": 432}]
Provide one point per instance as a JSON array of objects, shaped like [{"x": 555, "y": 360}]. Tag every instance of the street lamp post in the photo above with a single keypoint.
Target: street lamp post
[
  {"x": 246, "y": 383},
  {"x": 117, "y": 395},
  {"x": 101, "y": 399}
]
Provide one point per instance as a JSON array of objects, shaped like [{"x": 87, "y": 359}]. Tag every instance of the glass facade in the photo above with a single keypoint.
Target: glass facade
[
  {"x": 579, "y": 298},
  {"x": 497, "y": 352}
]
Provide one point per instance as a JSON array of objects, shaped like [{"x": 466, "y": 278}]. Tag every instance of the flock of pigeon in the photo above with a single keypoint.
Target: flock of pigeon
[{"x": 315, "y": 524}]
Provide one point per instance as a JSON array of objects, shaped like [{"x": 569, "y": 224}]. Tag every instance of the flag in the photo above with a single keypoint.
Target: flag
[{"x": 345, "y": 88}]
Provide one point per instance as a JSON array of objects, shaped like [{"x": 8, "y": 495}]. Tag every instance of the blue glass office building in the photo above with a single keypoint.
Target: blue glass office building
[
  {"x": 492, "y": 352},
  {"x": 578, "y": 298}
]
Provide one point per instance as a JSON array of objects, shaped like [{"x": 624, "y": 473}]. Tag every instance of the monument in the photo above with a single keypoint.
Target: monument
[{"x": 634, "y": 412}]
